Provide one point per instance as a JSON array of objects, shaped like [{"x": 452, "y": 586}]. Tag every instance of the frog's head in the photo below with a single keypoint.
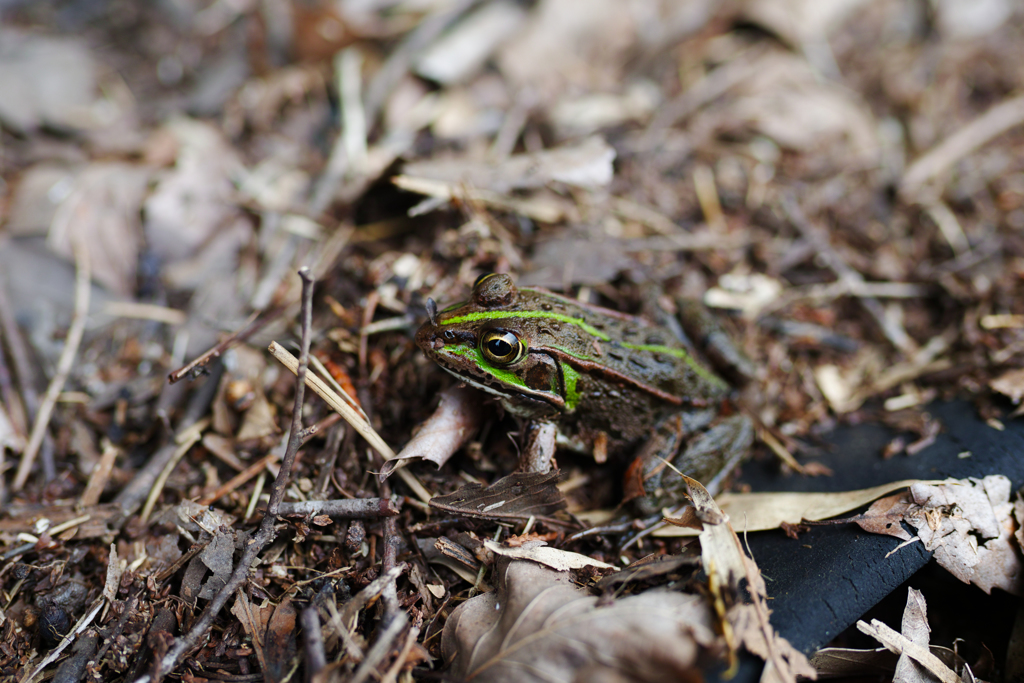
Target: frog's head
[{"x": 485, "y": 342}]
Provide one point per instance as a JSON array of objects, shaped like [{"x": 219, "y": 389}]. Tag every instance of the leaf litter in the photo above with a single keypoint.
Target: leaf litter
[{"x": 843, "y": 184}]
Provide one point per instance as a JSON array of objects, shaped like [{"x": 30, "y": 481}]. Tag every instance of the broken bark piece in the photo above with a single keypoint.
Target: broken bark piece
[
  {"x": 517, "y": 497},
  {"x": 353, "y": 508}
]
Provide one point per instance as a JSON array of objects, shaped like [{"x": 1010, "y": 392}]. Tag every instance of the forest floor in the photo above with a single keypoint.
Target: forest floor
[{"x": 841, "y": 184}]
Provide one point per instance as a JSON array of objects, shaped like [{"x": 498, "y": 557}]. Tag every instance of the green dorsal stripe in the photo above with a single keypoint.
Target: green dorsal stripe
[
  {"x": 682, "y": 355},
  {"x": 550, "y": 315},
  {"x": 702, "y": 371}
]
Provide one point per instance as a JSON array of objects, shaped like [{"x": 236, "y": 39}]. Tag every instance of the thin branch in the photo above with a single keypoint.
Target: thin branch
[
  {"x": 266, "y": 533},
  {"x": 83, "y": 277},
  {"x": 254, "y": 325},
  {"x": 993, "y": 123},
  {"x": 313, "y": 641}
]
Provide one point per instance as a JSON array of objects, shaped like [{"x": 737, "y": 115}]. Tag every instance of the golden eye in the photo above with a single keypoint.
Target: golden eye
[{"x": 502, "y": 348}]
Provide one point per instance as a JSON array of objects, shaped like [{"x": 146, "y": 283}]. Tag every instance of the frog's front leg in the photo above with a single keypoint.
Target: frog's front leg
[
  {"x": 539, "y": 450},
  {"x": 713, "y": 448}
]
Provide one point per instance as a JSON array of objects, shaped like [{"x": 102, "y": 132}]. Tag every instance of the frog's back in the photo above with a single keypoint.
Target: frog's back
[{"x": 624, "y": 346}]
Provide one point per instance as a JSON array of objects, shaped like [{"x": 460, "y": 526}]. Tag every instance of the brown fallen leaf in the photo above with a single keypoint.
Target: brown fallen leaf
[
  {"x": 254, "y": 620},
  {"x": 884, "y": 516},
  {"x": 518, "y": 497},
  {"x": 279, "y": 642},
  {"x": 456, "y": 420},
  {"x": 539, "y": 626}
]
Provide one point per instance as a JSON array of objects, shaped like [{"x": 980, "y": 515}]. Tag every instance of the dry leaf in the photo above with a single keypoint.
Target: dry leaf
[
  {"x": 101, "y": 213},
  {"x": 279, "y": 642},
  {"x": 915, "y": 628},
  {"x": 539, "y": 626},
  {"x": 538, "y": 551},
  {"x": 885, "y": 516},
  {"x": 217, "y": 556},
  {"x": 584, "y": 164},
  {"x": 761, "y": 511},
  {"x": 254, "y": 620},
  {"x": 518, "y": 497},
  {"x": 195, "y": 199},
  {"x": 456, "y": 420},
  {"x": 799, "y": 21},
  {"x": 724, "y": 557},
  {"x": 1010, "y": 383},
  {"x": 464, "y": 49},
  {"x": 969, "y": 526},
  {"x": 45, "y": 81}
]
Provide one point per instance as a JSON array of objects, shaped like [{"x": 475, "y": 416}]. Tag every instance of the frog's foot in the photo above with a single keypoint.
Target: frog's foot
[
  {"x": 539, "y": 451},
  {"x": 708, "y": 458}
]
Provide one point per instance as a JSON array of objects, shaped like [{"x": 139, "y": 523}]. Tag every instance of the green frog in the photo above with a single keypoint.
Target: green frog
[{"x": 611, "y": 383}]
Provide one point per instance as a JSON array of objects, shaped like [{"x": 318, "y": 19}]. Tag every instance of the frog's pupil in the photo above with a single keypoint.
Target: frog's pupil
[{"x": 499, "y": 347}]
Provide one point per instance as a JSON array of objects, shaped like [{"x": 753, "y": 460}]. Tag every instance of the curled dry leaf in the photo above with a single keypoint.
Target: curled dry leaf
[
  {"x": 556, "y": 558},
  {"x": 456, "y": 420},
  {"x": 539, "y": 626},
  {"x": 101, "y": 213}
]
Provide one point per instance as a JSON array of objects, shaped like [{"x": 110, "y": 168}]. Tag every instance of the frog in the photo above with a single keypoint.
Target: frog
[{"x": 602, "y": 381}]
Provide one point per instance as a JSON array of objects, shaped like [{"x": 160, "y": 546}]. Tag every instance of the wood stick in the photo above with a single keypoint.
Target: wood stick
[
  {"x": 83, "y": 277},
  {"x": 254, "y": 325},
  {"x": 345, "y": 508}
]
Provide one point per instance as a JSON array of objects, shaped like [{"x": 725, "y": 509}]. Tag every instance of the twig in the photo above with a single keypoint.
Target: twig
[
  {"x": 100, "y": 475},
  {"x": 114, "y": 571},
  {"x": 255, "y": 324},
  {"x": 335, "y": 401},
  {"x": 185, "y": 441},
  {"x": 978, "y": 132},
  {"x": 266, "y": 532},
  {"x": 410, "y": 640},
  {"x": 83, "y": 276},
  {"x": 313, "y": 640},
  {"x": 19, "y": 355},
  {"x": 380, "y": 648},
  {"x": 239, "y": 479},
  {"x": 355, "y": 508},
  {"x": 72, "y": 669}
]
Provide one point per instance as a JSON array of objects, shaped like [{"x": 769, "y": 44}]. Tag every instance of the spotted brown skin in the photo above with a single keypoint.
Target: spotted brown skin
[{"x": 593, "y": 370}]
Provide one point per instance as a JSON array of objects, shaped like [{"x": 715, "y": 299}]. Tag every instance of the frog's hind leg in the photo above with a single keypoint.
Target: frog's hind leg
[
  {"x": 707, "y": 332},
  {"x": 709, "y": 457}
]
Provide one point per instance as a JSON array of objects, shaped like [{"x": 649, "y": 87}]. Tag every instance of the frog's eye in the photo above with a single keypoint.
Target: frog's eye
[
  {"x": 480, "y": 279},
  {"x": 502, "y": 348}
]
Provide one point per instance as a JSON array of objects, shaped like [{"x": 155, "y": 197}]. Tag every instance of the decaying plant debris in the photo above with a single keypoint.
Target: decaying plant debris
[{"x": 842, "y": 182}]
